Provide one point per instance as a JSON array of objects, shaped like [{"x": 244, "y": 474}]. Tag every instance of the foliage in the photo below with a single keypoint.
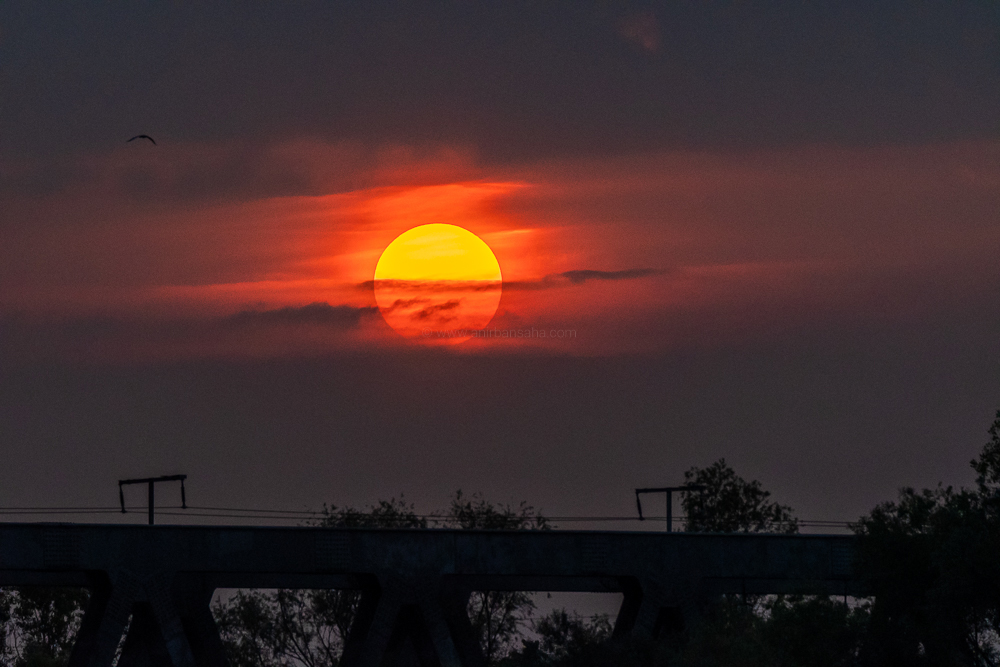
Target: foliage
[
  {"x": 392, "y": 513},
  {"x": 279, "y": 628},
  {"x": 783, "y": 632},
  {"x": 563, "y": 639},
  {"x": 497, "y": 618},
  {"x": 987, "y": 465},
  {"x": 816, "y": 631},
  {"x": 478, "y": 513},
  {"x": 730, "y": 504},
  {"x": 6, "y": 602},
  {"x": 39, "y": 625},
  {"x": 932, "y": 559},
  {"x": 731, "y": 633}
]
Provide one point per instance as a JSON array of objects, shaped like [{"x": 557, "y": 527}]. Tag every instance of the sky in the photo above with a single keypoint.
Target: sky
[{"x": 763, "y": 233}]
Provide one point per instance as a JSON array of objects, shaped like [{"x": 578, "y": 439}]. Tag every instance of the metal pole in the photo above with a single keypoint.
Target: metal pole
[
  {"x": 151, "y": 482},
  {"x": 687, "y": 488}
]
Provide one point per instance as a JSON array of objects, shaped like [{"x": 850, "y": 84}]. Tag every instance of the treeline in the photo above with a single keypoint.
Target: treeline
[{"x": 931, "y": 558}]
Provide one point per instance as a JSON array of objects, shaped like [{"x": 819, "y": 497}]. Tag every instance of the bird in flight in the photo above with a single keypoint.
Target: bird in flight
[{"x": 142, "y": 136}]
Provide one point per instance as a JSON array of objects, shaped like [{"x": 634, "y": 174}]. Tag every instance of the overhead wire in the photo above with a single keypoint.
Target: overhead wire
[{"x": 204, "y": 511}]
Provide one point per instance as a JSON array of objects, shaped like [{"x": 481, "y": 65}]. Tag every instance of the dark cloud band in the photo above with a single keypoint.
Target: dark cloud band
[
  {"x": 576, "y": 277},
  {"x": 319, "y": 313}
]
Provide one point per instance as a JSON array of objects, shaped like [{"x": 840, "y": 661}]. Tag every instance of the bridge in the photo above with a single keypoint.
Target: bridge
[{"x": 414, "y": 584}]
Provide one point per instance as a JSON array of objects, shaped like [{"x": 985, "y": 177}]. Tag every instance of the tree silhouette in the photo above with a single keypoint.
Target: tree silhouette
[
  {"x": 931, "y": 557},
  {"x": 730, "y": 504},
  {"x": 38, "y": 625}
]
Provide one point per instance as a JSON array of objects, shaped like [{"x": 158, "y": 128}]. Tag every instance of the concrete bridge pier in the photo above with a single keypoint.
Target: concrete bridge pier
[
  {"x": 193, "y": 598},
  {"x": 454, "y": 605},
  {"x": 412, "y": 622},
  {"x": 103, "y": 624},
  {"x": 163, "y": 625}
]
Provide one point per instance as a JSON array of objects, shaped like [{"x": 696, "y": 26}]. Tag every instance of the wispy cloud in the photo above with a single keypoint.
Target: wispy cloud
[
  {"x": 583, "y": 275},
  {"x": 406, "y": 303},
  {"x": 579, "y": 277},
  {"x": 430, "y": 311},
  {"x": 319, "y": 313}
]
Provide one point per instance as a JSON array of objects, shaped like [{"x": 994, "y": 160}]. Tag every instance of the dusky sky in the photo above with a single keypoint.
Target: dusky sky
[{"x": 772, "y": 231}]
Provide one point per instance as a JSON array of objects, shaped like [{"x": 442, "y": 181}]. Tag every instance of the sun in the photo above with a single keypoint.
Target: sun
[{"x": 438, "y": 283}]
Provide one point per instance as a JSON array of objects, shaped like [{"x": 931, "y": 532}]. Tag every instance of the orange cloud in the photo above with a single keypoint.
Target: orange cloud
[{"x": 634, "y": 252}]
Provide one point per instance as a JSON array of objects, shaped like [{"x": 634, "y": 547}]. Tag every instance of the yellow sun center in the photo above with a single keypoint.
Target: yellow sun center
[{"x": 437, "y": 282}]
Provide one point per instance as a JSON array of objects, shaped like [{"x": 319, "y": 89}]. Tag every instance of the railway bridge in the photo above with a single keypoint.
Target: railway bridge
[{"x": 414, "y": 584}]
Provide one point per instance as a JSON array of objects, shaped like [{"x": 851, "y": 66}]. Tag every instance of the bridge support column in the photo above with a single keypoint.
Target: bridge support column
[
  {"x": 455, "y": 608},
  {"x": 161, "y": 601},
  {"x": 144, "y": 645},
  {"x": 155, "y": 635},
  {"x": 102, "y": 626},
  {"x": 442, "y": 610},
  {"x": 193, "y": 597},
  {"x": 373, "y": 624},
  {"x": 418, "y": 620}
]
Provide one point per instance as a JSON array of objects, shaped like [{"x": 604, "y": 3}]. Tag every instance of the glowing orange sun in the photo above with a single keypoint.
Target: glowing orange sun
[{"x": 438, "y": 282}]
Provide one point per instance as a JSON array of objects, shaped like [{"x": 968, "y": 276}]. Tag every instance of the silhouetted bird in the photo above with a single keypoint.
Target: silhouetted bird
[{"x": 142, "y": 136}]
